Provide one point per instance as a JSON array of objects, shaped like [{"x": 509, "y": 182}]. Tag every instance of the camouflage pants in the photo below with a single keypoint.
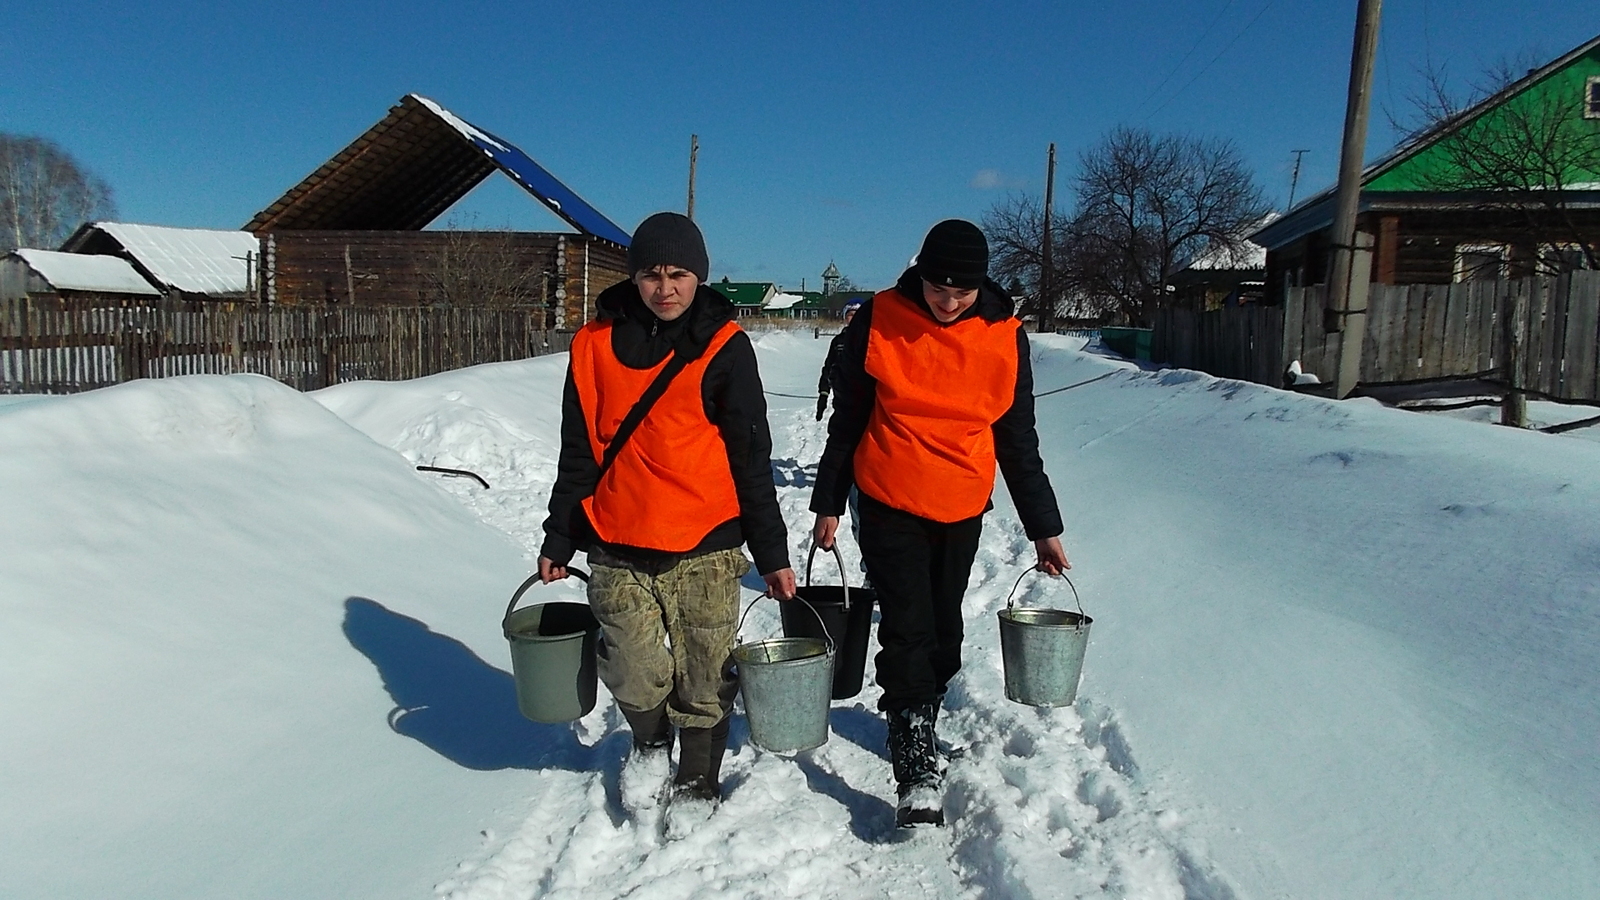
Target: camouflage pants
[{"x": 669, "y": 634}]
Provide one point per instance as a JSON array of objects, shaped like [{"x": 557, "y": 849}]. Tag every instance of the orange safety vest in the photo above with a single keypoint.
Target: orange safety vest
[
  {"x": 929, "y": 444},
  {"x": 671, "y": 483}
]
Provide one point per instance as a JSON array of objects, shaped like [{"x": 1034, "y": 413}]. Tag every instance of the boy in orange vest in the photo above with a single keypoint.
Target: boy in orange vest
[
  {"x": 664, "y": 522},
  {"x": 932, "y": 392}
]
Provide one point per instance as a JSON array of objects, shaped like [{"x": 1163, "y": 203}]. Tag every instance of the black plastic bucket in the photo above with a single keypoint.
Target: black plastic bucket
[{"x": 845, "y": 613}]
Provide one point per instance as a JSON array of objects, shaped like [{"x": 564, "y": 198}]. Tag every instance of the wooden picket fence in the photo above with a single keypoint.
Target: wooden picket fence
[
  {"x": 1418, "y": 332},
  {"x": 53, "y": 345}
]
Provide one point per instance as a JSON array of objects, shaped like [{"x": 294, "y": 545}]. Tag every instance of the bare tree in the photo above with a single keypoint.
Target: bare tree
[
  {"x": 45, "y": 194},
  {"x": 1146, "y": 201},
  {"x": 1520, "y": 159},
  {"x": 485, "y": 268},
  {"x": 1015, "y": 228}
]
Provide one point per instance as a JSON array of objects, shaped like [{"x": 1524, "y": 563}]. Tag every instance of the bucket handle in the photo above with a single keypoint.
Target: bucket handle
[
  {"x": 826, "y": 633},
  {"x": 1075, "y": 598},
  {"x": 844, "y": 581},
  {"x": 505, "y": 623}
]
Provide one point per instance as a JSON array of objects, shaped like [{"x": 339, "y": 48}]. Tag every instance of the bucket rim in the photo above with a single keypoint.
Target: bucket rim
[
  {"x": 742, "y": 651},
  {"x": 1084, "y": 621},
  {"x": 513, "y": 634}
]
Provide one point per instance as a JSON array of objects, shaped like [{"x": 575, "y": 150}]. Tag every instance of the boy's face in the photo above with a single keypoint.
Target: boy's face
[
  {"x": 948, "y": 303},
  {"x": 667, "y": 290}
]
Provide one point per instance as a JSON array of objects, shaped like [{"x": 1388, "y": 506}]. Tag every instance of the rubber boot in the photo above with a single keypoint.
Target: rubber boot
[
  {"x": 652, "y": 730},
  {"x": 700, "y": 752},
  {"x": 914, "y": 754}
]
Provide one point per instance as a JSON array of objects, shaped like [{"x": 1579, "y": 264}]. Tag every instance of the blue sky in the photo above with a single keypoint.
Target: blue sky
[{"x": 827, "y": 131}]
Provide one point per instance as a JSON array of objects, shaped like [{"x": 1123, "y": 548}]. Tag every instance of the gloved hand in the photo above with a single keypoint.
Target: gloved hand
[{"x": 822, "y": 406}]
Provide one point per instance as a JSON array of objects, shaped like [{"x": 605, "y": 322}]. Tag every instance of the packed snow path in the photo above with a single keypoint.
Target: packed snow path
[{"x": 1041, "y": 800}]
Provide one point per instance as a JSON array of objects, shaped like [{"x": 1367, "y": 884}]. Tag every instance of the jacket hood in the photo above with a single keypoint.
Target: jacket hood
[{"x": 993, "y": 304}]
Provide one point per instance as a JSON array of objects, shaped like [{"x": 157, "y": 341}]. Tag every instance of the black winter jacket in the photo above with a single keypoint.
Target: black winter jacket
[
  {"x": 1016, "y": 441},
  {"x": 733, "y": 400}
]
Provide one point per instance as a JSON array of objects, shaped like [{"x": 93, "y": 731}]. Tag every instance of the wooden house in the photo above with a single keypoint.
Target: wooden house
[
  {"x": 1220, "y": 275},
  {"x": 184, "y": 263},
  {"x": 28, "y": 274},
  {"x": 1438, "y": 212},
  {"x": 749, "y": 298},
  {"x": 352, "y": 231}
]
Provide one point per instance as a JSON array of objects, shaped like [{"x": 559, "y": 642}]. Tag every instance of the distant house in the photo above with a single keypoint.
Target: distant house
[
  {"x": 749, "y": 298},
  {"x": 1220, "y": 276},
  {"x": 352, "y": 231},
  {"x": 185, "y": 263},
  {"x": 1433, "y": 214},
  {"x": 34, "y": 273},
  {"x": 797, "y": 305}
]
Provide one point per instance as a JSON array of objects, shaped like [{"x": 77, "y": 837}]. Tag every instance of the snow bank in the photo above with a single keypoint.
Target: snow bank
[{"x": 207, "y": 586}]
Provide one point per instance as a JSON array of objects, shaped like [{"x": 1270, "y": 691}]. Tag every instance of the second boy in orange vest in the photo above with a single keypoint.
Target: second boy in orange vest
[{"x": 932, "y": 392}]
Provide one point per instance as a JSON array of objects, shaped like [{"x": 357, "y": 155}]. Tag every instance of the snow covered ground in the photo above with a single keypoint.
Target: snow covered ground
[{"x": 1339, "y": 651}]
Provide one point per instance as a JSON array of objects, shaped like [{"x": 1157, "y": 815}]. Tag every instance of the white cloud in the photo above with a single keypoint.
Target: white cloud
[{"x": 993, "y": 179}]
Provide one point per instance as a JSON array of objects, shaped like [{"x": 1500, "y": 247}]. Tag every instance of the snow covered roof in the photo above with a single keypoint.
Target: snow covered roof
[
  {"x": 1248, "y": 255},
  {"x": 192, "y": 260},
  {"x": 80, "y": 272},
  {"x": 784, "y": 301},
  {"x": 406, "y": 170}
]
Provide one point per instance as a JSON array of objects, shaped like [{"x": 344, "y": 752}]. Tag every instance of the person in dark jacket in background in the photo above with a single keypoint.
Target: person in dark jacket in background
[
  {"x": 933, "y": 391},
  {"x": 663, "y": 525},
  {"x": 825, "y": 383}
]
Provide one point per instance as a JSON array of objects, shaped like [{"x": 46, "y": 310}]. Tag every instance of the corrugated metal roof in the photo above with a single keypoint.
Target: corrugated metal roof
[
  {"x": 78, "y": 272},
  {"x": 409, "y": 168},
  {"x": 192, "y": 260}
]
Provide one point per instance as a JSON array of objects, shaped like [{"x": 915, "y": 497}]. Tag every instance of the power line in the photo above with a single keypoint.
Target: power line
[
  {"x": 1221, "y": 53},
  {"x": 1195, "y": 46}
]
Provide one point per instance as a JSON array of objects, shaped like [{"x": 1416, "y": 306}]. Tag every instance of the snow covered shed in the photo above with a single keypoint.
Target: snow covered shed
[
  {"x": 184, "y": 263},
  {"x": 32, "y": 273},
  {"x": 353, "y": 230}
]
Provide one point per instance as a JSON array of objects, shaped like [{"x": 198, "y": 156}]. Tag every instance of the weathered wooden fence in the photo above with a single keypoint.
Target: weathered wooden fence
[
  {"x": 1414, "y": 333},
  {"x": 67, "y": 345},
  {"x": 1243, "y": 342}
]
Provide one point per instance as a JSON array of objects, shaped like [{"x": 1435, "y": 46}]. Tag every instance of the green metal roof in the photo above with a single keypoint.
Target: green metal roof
[{"x": 744, "y": 293}]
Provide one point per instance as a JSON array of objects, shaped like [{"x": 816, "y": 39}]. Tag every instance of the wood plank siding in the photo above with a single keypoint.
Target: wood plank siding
[{"x": 559, "y": 273}]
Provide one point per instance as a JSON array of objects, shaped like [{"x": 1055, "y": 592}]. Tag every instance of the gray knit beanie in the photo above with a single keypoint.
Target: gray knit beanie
[{"x": 669, "y": 239}]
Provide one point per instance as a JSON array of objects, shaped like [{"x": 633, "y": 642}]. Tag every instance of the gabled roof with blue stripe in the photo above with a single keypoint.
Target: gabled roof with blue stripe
[{"x": 409, "y": 168}]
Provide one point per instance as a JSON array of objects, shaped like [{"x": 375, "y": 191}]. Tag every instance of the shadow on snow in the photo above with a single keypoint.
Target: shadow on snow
[{"x": 459, "y": 706}]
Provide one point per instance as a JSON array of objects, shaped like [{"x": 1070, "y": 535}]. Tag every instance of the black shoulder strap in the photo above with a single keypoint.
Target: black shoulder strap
[{"x": 679, "y": 361}]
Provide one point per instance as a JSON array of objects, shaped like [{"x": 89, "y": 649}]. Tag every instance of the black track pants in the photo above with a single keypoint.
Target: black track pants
[{"x": 919, "y": 568}]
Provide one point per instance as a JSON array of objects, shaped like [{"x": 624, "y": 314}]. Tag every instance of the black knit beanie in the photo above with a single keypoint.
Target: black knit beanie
[
  {"x": 669, "y": 239},
  {"x": 954, "y": 254}
]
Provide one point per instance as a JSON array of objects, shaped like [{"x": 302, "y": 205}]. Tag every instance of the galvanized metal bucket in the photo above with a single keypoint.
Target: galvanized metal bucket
[
  {"x": 552, "y": 656},
  {"x": 1043, "y": 650},
  {"x": 786, "y": 684},
  {"x": 839, "y": 610}
]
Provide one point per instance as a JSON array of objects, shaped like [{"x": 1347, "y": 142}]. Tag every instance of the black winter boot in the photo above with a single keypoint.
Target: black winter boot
[
  {"x": 915, "y": 756},
  {"x": 652, "y": 730},
  {"x": 700, "y": 752}
]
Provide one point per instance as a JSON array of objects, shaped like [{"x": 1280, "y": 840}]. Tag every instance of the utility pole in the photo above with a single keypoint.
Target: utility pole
[
  {"x": 1346, "y": 309},
  {"x": 1294, "y": 179},
  {"x": 694, "y": 151},
  {"x": 1047, "y": 303}
]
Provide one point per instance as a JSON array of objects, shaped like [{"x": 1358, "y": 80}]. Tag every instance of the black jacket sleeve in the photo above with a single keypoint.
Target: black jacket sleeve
[
  {"x": 577, "y": 472},
  {"x": 854, "y": 394},
  {"x": 734, "y": 403},
  {"x": 1016, "y": 448}
]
